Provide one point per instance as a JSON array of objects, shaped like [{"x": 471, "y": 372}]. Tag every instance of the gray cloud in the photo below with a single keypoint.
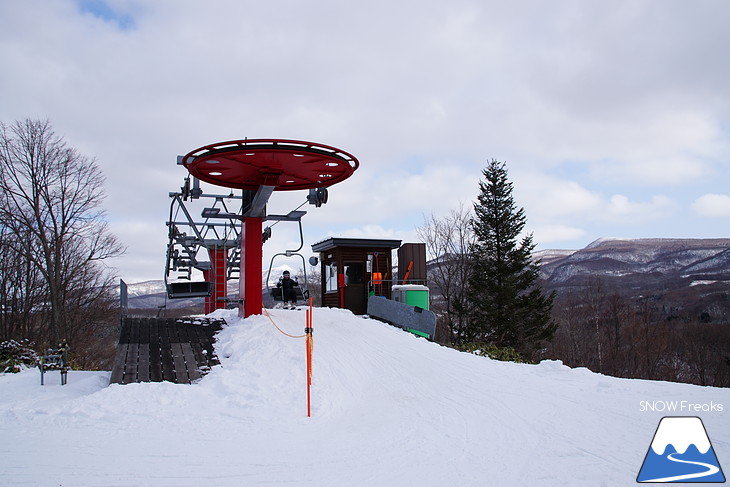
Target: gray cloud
[{"x": 597, "y": 99}]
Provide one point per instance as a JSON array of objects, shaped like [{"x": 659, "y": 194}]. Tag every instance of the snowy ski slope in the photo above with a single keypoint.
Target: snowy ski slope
[{"x": 389, "y": 409}]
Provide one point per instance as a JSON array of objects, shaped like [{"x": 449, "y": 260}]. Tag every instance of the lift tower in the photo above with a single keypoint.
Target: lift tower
[{"x": 257, "y": 167}]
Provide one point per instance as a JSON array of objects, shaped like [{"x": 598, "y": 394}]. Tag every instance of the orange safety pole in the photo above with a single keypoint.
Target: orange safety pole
[
  {"x": 408, "y": 271},
  {"x": 309, "y": 344},
  {"x": 311, "y": 338}
]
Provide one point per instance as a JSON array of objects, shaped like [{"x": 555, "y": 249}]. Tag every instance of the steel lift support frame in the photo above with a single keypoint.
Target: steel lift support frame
[{"x": 258, "y": 167}]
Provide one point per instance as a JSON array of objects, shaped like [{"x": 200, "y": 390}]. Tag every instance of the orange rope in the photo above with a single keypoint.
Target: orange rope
[
  {"x": 309, "y": 343},
  {"x": 282, "y": 331}
]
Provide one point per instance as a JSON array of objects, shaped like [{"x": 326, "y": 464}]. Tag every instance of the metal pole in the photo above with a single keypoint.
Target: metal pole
[{"x": 250, "y": 299}]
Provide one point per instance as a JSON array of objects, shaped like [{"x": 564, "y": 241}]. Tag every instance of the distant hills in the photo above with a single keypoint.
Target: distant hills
[
  {"x": 682, "y": 280},
  {"x": 632, "y": 265},
  {"x": 689, "y": 271}
]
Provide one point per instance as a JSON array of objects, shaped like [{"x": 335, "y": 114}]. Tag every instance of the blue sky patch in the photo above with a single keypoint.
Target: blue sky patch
[{"x": 101, "y": 10}]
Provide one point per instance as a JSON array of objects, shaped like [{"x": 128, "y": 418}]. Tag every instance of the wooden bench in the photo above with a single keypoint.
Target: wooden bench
[{"x": 56, "y": 359}]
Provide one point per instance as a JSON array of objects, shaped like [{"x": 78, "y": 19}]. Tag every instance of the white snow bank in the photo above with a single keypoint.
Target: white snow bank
[{"x": 389, "y": 409}]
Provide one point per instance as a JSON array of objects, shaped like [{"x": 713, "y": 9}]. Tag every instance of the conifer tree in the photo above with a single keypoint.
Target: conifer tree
[{"x": 508, "y": 308}]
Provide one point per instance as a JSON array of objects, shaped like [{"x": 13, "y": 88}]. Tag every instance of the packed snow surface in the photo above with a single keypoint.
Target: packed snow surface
[{"x": 388, "y": 409}]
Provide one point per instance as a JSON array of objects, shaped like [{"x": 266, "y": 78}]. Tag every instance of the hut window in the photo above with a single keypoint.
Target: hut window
[{"x": 330, "y": 277}]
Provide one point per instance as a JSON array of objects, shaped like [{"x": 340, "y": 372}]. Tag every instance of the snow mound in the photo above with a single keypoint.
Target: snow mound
[{"x": 388, "y": 409}]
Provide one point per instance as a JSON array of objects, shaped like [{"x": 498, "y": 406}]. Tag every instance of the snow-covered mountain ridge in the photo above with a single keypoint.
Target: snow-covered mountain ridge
[{"x": 648, "y": 260}]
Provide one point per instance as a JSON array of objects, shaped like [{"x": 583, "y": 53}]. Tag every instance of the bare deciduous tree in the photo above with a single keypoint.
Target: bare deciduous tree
[
  {"x": 51, "y": 216},
  {"x": 447, "y": 242},
  {"x": 20, "y": 290}
]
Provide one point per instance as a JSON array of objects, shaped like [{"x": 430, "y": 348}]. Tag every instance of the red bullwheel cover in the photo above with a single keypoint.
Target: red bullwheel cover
[{"x": 285, "y": 164}]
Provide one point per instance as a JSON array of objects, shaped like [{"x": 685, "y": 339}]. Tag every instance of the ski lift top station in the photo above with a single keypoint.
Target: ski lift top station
[{"x": 257, "y": 167}]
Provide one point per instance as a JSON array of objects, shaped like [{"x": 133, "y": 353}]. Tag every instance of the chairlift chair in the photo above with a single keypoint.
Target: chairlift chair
[
  {"x": 181, "y": 259},
  {"x": 276, "y": 293},
  {"x": 302, "y": 291}
]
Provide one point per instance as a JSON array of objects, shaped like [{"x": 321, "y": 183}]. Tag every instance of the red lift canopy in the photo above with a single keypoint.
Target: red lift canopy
[{"x": 286, "y": 165}]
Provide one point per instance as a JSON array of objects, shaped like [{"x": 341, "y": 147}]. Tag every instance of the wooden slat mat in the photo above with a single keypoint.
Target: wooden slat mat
[{"x": 165, "y": 349}]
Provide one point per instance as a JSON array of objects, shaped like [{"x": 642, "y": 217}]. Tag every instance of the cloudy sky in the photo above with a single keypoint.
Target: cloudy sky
[{"x": 613, "y": 117}]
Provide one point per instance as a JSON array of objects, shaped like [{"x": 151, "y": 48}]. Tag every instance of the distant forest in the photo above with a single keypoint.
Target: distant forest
[{"x": 679, "y": 336}]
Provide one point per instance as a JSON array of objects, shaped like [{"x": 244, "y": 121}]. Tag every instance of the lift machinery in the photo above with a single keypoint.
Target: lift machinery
[{"x": 233, "y": 240}]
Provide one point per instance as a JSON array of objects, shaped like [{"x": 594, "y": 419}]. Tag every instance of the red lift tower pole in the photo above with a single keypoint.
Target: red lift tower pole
[{"x": 250, "y": 288}]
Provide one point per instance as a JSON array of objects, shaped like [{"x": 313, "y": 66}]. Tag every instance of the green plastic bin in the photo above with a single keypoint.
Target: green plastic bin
[{"x": 411, "y": 294}]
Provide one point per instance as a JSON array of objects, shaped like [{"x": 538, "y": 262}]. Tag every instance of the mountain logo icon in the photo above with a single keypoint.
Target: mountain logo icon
[{"x": 681, "y": 452}]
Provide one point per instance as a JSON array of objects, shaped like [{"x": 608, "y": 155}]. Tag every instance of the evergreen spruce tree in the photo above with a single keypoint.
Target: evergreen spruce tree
[{"x": 508, "y": 308}]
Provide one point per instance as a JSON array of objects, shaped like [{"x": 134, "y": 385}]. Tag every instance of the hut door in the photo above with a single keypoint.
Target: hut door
[{"x": 355, "y": 292}]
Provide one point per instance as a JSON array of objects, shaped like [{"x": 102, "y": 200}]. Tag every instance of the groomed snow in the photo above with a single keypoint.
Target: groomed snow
[{"x": 389, "y": 409}]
